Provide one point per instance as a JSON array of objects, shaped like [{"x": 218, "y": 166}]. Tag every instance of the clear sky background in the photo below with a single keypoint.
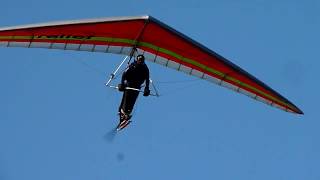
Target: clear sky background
[{"x": 56, "y": 115}]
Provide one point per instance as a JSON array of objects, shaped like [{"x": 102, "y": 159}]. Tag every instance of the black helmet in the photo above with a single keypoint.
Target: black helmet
[{"x": 140, "y": 57}]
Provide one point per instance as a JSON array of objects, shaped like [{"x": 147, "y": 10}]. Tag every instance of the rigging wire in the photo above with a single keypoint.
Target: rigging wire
[
  {"x": 90, "y": 67},
  {"x": 97, "y": 71},
  {"x": 180, "y": 88}
]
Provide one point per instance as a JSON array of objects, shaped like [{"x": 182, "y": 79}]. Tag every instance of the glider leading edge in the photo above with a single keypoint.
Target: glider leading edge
[{"x": 146, "y": 35}]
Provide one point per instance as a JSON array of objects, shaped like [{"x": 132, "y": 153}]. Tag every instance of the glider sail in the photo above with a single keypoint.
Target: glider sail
[{"x": 157, "y": 41}]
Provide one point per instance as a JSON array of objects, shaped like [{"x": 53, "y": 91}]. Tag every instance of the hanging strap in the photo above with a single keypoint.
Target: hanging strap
[{"x": 135, "y": 46}]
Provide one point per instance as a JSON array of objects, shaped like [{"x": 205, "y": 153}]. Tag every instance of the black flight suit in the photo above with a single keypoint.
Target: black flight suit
[{"x": 134, "y": 76}]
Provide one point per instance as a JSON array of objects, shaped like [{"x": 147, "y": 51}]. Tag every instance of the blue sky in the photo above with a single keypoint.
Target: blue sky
[{"x": 56, "y": 114}]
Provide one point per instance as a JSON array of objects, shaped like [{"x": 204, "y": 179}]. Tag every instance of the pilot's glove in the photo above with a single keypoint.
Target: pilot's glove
[
  {"x": 146, "y": 92},
  {"x": 121, "y": 87}
]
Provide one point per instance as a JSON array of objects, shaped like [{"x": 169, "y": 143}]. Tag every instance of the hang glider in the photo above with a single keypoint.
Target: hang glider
[{"x": 158, "y": 42}]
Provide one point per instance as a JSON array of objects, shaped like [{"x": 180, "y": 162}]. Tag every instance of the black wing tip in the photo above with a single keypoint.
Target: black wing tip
[
  {"x": 296, "y": 110},
  {"x": 300, "y": 112}
]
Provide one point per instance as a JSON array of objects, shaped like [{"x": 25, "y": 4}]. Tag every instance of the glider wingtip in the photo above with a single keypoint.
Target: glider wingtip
[{"x": 298, "y": 111}]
